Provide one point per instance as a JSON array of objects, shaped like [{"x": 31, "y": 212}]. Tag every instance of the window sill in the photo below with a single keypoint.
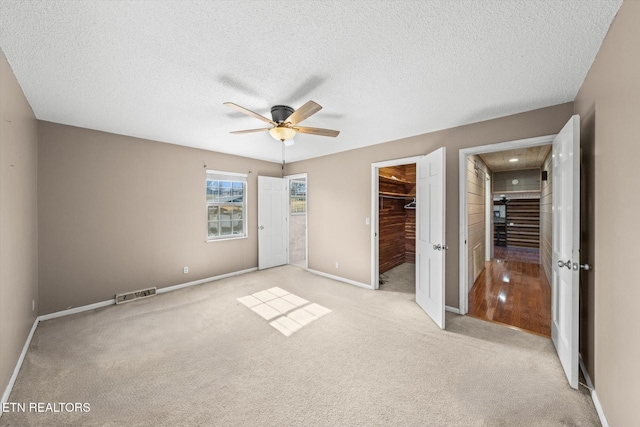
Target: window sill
[{"x": 223, "y": 239}]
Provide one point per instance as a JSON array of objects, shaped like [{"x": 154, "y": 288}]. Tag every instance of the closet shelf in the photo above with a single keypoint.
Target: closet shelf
[{"x": 395, "y": 180}]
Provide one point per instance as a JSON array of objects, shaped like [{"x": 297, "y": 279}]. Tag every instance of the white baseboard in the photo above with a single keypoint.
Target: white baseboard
[
  {"x": 452, "y": 309},
  {"x": 340, "y": 279},
  {"x": 208, "y": 279},
  {"x": 12, "y": 380},
  {"x": 77, "y": 310},
  {"x": 594, "y": 395},
  {"x": 7, "y": 391},
  {"x": 596, "y": 403},
  {"x": 160, "y": 291}
]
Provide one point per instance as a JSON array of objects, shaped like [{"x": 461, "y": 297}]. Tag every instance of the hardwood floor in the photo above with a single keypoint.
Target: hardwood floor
[
  {"x": 517, "y": 254},
  {"x": 513, "y": 292}
]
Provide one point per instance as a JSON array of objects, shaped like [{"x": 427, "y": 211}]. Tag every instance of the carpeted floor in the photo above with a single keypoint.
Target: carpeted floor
[
  {"x": 400, "y": 279},
  {"x": 198, "y": 357}
]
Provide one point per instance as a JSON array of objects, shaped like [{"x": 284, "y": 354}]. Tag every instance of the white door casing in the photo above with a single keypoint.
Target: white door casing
[
  {"x": 430, "y": 234},
  {"x": 566, "y": 247},
  {"x": 375, "y": 212},
  {"x": 463, "y": 265},
  {"x": 272, "y": 222}
]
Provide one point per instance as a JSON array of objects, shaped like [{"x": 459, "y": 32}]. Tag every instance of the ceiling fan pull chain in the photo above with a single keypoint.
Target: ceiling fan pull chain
[{"x": 282, "y": 142}]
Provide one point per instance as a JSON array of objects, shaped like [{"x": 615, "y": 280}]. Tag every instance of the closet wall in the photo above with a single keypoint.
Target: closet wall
[
  {"x": 477, "y": 172},
  {"x": 397, "y": 224}
]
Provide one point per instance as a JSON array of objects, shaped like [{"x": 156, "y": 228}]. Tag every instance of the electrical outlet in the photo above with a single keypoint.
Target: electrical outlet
[
  {"x": 367, "y": 221},
  {"x": 186, "y": 270},
  {"x": 33, "y": 305},
  {"x": 337, "y": 264}
]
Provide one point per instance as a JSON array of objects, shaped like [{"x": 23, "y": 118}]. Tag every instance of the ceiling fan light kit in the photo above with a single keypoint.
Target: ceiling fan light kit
[
  {"x": 285, "y": 120},
  {"x": 282, "y": 133}
]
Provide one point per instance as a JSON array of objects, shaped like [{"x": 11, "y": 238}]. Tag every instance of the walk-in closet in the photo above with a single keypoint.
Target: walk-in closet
[{"x": 397, "y": 228}]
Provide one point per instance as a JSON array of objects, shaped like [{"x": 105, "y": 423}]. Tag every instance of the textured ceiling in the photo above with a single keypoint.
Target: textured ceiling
[{"x": 382, "y": 70}]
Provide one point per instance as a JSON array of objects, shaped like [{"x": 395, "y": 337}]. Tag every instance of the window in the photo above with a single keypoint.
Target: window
[
  {"x": 226, "y": 205},
  {"x": 298, "y": 196}
]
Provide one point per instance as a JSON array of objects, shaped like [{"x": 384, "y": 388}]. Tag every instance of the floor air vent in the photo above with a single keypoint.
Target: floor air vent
[{"x": 131, "y": 296}]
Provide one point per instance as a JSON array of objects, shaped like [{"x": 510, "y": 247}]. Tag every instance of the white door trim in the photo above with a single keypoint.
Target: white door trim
[
  {"x": 462, "y": 169},
  {"x": 488, "y": 217},
  {"x": 306, "y": 219},
  {"x": 374, "y": 210}
]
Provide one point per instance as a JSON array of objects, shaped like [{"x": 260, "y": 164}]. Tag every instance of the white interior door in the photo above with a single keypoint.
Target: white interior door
[
  {"x": 430, "y": 237},
  {"x": 566, "y": 247},
  {"x": 272, "y": 222}
]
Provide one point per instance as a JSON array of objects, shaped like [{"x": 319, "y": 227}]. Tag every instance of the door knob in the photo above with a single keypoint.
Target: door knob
[
  {"x": 564, "y": 264},
  {"x": 437, "y": 247},
  {"x": 261, "y": 227},
  {"x": 577, "y": 266}
]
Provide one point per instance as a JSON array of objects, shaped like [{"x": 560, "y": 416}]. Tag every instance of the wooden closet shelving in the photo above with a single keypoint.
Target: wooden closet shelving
[
  {"x": 396, "y": 180},
  {"x": 523, "y": 223},
  {"x": 396, "y": 223},
  {"x": 391, "y": 194}
]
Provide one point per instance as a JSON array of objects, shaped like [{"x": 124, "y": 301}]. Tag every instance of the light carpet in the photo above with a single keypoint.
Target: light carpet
[
  {"x": 401, "y": 278},
  {"x": 198, "y": 357}
]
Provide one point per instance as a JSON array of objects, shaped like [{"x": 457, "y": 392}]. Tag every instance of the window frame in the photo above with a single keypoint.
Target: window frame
[
  {"x": 291, "y": 212},
  {"x": 233, "y": 177}
]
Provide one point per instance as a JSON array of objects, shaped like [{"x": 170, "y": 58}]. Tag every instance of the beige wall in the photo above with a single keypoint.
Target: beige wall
[
  {"x": 340, "y": 190},
  {"x": 546, "y": 217},
  {"x": 18, "y": 221},
  {"x": 476, "y": 212},
  {"x": 609, "y": 106},
  {"x": 118, "y": 214}
]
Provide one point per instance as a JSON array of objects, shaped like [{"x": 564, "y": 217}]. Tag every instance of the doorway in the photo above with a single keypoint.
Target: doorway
[
  {"x": 430, "y": 239},
  {"x": 397, "y": 228},
  {"x": 297, "y": 218},
  {"x": 391, "y": 190},
  {"x": 282, "y": 221},
  {"x": 507, "y": 234}
]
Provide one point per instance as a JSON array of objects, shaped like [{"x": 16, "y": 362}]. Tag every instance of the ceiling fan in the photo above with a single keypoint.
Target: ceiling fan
[{"x": 285, "y": 121}]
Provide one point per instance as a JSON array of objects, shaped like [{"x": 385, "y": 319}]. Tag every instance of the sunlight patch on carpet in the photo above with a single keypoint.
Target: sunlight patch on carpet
[{"x": 286, "y": 312}]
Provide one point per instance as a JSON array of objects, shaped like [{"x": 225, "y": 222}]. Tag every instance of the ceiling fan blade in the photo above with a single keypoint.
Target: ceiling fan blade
[
  {"x": 250, "y": 130},
  {"x": 249, "y": 112},
  {"x": 307, "y": 110},
  {"x": 317, "y": 131}
]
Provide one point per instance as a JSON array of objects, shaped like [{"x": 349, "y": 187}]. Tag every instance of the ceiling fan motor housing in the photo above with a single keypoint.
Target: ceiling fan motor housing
[{"x": 279, "y": 113}]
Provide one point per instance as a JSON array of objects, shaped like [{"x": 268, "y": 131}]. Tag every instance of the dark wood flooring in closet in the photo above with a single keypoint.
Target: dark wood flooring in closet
[{"x": 513, "y": 292}]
